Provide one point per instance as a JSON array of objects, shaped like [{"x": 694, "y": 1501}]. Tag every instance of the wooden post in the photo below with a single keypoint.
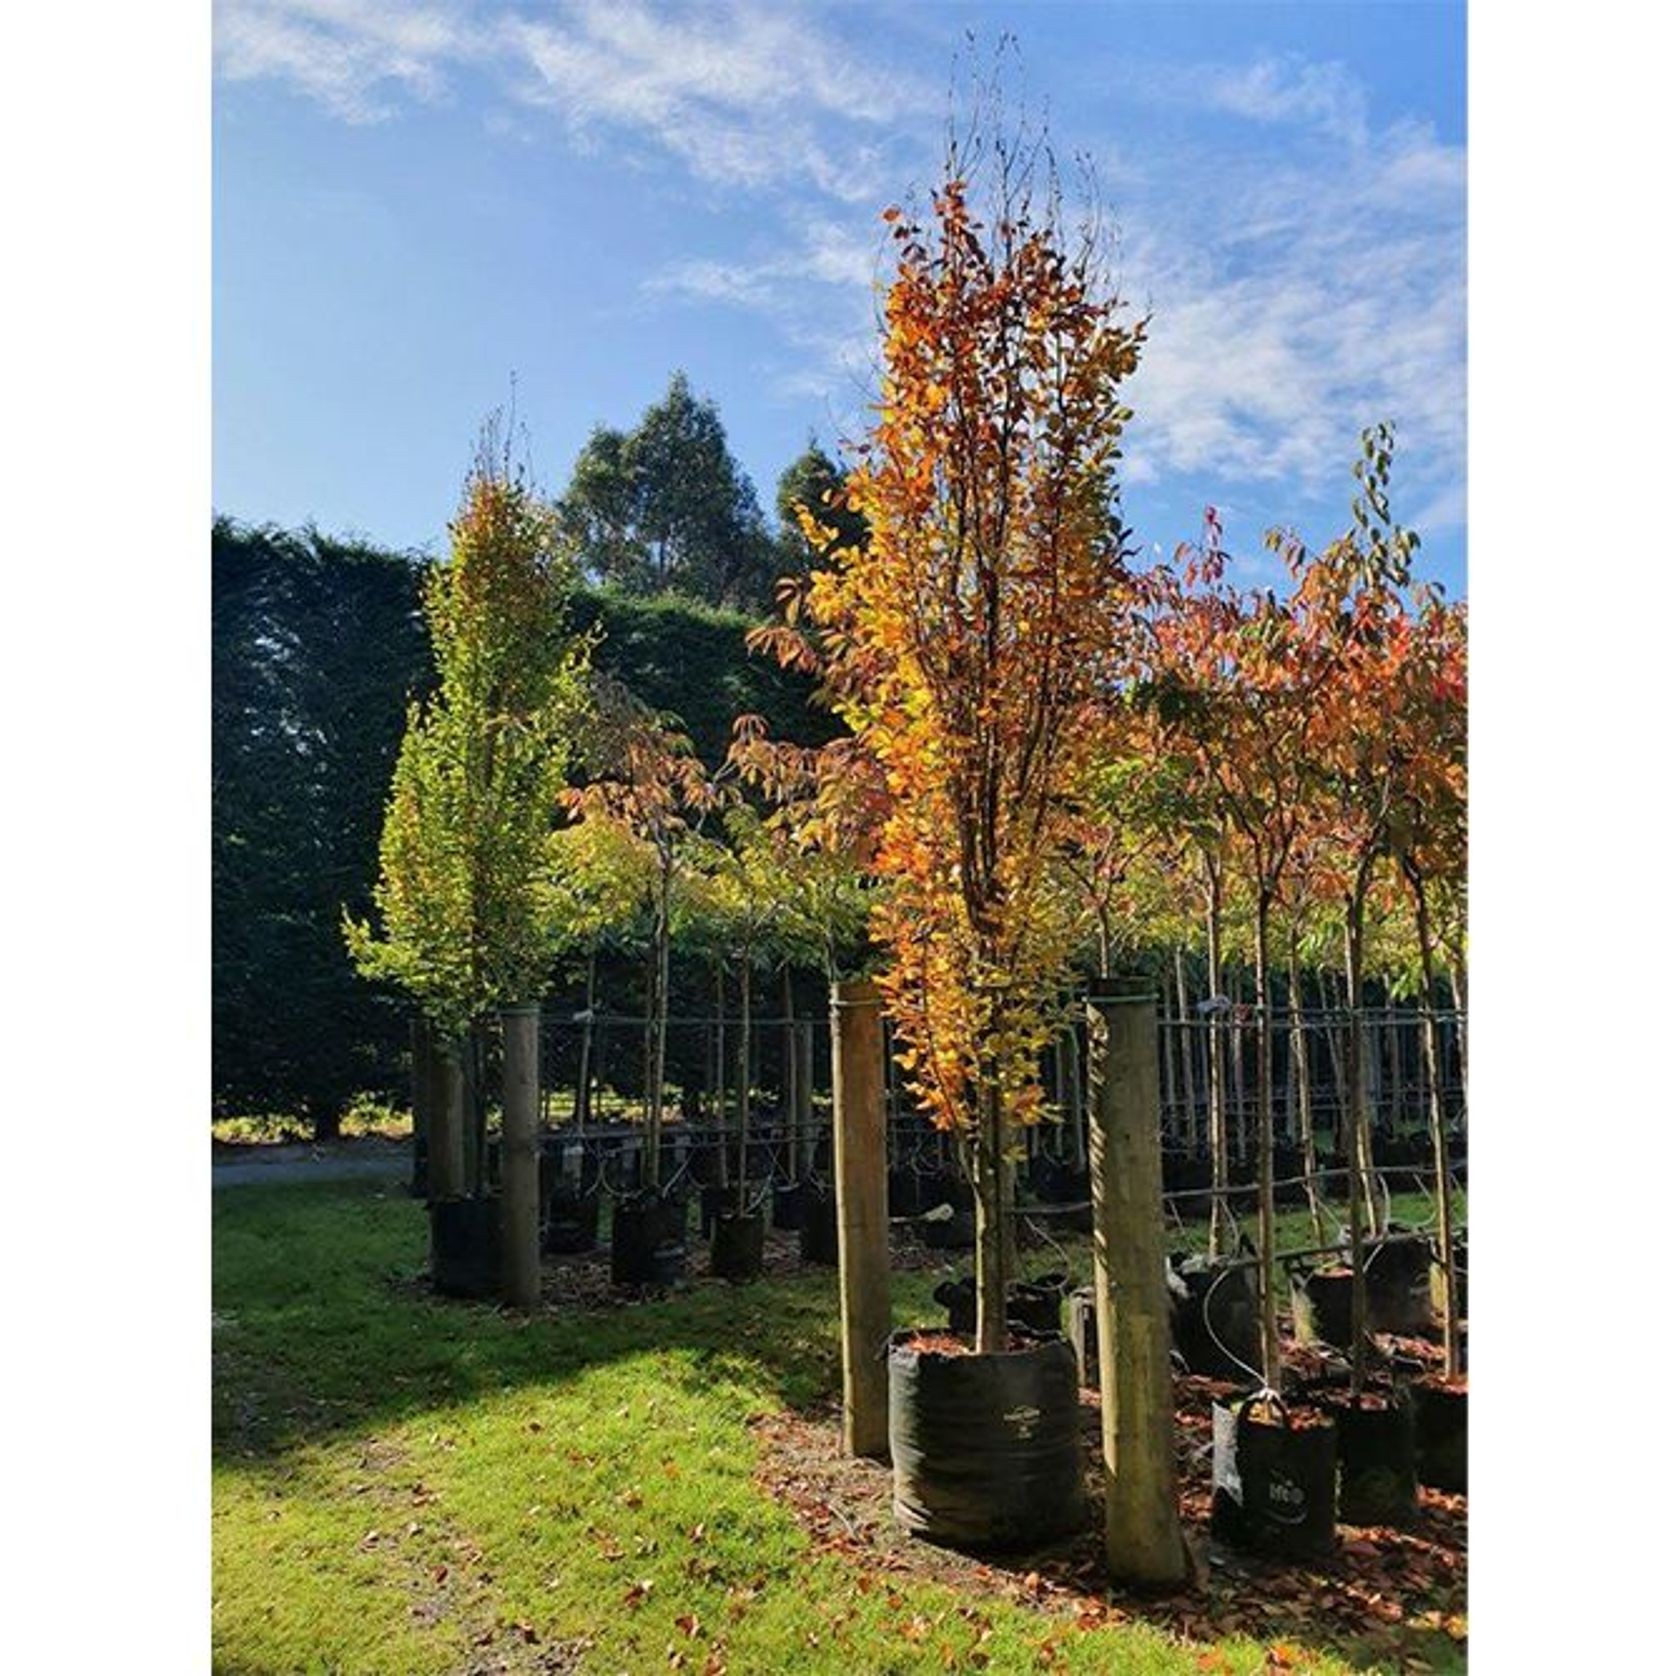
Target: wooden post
[
  {"x": 424, "y": 1090},
  {"x": 1137, "y": 1403},
  {"x": 858, "y": 1105},
  {"x": 520, "y": 1156},
  {"x": 805, "y": 1098},
  {"x": 446, "y": 1153}
]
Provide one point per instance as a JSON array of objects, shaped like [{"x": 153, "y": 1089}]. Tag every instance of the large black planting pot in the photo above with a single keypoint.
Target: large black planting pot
[
  {"x": 1399, "y": 1276},
  {"x": 1376, "y": 1457},
  {"x": 572, "y": 1220},
  {"x": 788, "y": 1205},
  {"x": 1440, "y": 1433},
  {"x": 985, "y": 1449},
  {"x": 465, "y": 1246},
  {"x": 736, "y": 1244},
  {"x": 648, "y": 1240},
  {"x": 1214, "y": 1321},
  {"x": 1321, "y": 1306},
  {"x": 1033, "y": 1305},
  {"x": 1274, "y": 1473},
  {"x": 817, "y": 1239}
]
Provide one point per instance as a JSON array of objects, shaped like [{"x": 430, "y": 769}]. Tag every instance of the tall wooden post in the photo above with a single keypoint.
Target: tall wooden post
[
  {"x": 1137, "y": 1407},
  {"x": 520, "y": 1156},
  {"x": 446, "y": 1152},
  {"x": 858, "y": 1105},
  {"x": 424, "y": 1093}
]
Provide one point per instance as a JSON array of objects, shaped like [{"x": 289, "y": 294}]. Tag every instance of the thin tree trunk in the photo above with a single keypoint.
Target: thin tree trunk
[
  {"x": 1306, "y": 1116},
  {"x": 1354, "y": 1145},
  {"x": 1265, "y": 1154},
  {"x": 660, "y": 1037},
  {"x": 1188, "y": 1051},
  {"x": 1169, "y": 1036},
  {"x": 1237, "y": 1042},
  {"x": 1440, "y": 1145},
  {"x": 585, "y": 1058},
  {"x": 1221, "y": 1220},
  {"x": 520, "y": 1147},
  {"x": 744, "y": 1076}
]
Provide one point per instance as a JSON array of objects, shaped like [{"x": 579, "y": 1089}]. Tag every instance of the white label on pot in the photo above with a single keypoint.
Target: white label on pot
[{"x": 1224, "y": 1469}]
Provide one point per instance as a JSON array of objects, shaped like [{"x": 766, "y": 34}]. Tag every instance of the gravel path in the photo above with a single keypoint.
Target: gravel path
[{"x": 244, "y": 1166}]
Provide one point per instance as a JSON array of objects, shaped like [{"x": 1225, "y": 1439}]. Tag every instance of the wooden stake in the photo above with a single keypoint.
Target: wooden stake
[
  {"x": 520, "y": 1157},
  {"x": 1137, "y": 1405},
  {"x": 858, "y": 1104}
]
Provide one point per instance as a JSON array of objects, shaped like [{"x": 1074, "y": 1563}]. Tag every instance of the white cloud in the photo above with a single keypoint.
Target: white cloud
[{"x": 744, "y": 94}]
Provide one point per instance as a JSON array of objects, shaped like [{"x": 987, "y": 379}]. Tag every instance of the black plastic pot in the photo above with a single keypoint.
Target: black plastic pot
[
  {"x": 985, "y": 1449},
  {"x": 903, "y": 1192},
  {"x": 817, "y": 1240},
  {"x": 1214, "y": 1321},
  {"x": 736, "y": 1245},
  {"x": 572, "y": 1220},
  {"x": 1033, "y": 1305},
  {"x": 1376, "y": 1457},
  {"x": 465, "y": 1247},
  {"x": 1399, "y": 1276},
  {"x": 788, "y": 1206},
  {"x": 1321, "y": 1307},
  {"x": 1274, "y": 1479},
  {"x": 1440, "y": 1434},
  {"x": 648, "y": 1240}
]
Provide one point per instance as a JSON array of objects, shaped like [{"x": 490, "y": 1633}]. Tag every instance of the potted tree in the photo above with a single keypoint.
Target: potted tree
[
  {"x": 463, "y": 856},
  {"x": 967, "y": 647}
]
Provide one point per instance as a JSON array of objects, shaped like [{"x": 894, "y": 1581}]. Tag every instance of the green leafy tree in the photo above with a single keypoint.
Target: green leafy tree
[
  {"x": 464, "y": 890},
  {"x": 813, "y": 485},
  {"x": 666, "y": 508}
]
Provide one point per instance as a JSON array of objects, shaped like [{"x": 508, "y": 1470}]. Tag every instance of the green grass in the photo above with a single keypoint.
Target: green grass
[{"x": 404, "y": 1485}]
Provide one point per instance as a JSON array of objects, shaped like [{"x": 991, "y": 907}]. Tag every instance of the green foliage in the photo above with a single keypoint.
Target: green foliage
[
  {"x": 666, "y": 507},
  {"x": 462, "y": 892},
  {"x": 316, "y": 646},
  {"x": 815, "y": 482}
]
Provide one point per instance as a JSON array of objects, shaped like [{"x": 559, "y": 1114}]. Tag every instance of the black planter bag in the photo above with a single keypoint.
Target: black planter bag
[
  {"x": 1321, "y": 1307},
  {"x": 1440, "y": 1436},
  {"x": 1032, "y": 1305},
  {"x": 986, "y": 1450},
  {"x": 572, "y": 1220},
  {"x": 1214, "y": 1322},
  {"x": 1399, "y": 1279},
  {"x": 736, "y": 1245},
  {"x": 818, "y": 1238},
  {"x": 1274, "y": 1486},
  {"x": 788, "y": 1206},
  {"x": 465, "y": 1247},
  {"x": 1376, "y": 1457},
  {"x": 648, "y": 1240}
]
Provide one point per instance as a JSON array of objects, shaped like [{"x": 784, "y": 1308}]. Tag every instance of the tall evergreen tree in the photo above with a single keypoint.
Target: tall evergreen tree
[{"x": 666, "y": 508}]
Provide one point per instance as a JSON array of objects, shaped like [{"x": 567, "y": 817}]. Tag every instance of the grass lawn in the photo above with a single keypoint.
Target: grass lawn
[{"x": 404, "y": 1485}]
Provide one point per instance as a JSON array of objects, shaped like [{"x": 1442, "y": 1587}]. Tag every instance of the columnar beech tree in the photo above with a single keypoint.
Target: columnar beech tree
[
  {"x": 464, "y": 854},
  {"x": 970, "y": 641}
]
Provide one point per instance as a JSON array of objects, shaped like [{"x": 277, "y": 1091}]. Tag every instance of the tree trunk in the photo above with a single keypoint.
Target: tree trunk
[
  {"x": 1267, "y": 1301},
  {"x": 1440, "y": 1143},
  {"x": 448, "y": 1121},
  {"x": 1167, "y": 1036},
  {"x": 583, "y": 1110},
  {"x": 1240, "y": 1111},
  {"x": 744, "y": 1078},
  {"x": 1188, "y": 1051},
  {"x": 520, "y": 1155},
  {"x": 991, "y": 1211},
  {"x": 1306, "y": 1115},
  {"x": 1355, "y": 1145},
  {"x": 660, "y": 1039},
  {"x": 1221, "y": 1220}
]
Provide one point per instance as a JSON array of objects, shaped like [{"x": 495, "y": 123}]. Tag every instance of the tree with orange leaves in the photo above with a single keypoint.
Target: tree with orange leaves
[{"x": 970, "y": 642}]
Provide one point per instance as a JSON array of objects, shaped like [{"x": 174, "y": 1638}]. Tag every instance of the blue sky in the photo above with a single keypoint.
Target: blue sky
[{"x": 414, "y": 201}]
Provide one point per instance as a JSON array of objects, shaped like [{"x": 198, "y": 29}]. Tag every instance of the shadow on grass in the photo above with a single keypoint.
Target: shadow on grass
[{"x": 325, "y": 1322}]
